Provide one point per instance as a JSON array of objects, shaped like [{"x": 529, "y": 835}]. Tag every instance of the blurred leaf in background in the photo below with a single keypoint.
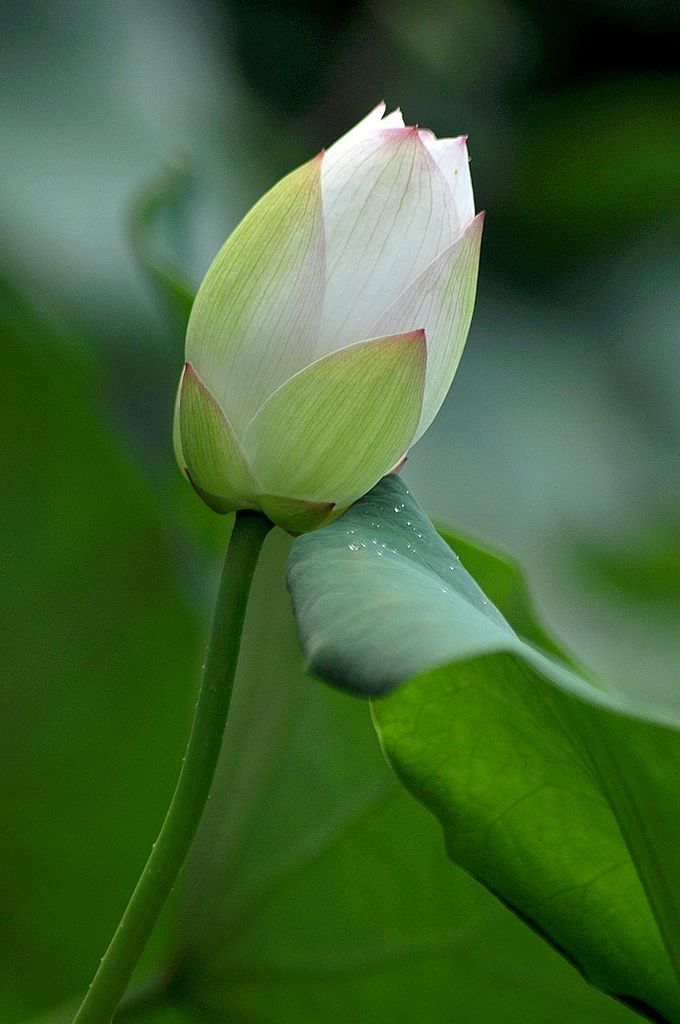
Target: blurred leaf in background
[{"x": 99, "y": 662}]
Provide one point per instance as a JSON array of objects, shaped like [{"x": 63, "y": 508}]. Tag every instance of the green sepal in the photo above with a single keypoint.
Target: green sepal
[
  {"x": 332, "y": 430},
  {"x": 208, "y": 450},
  {"x": 294, "y": 515}
]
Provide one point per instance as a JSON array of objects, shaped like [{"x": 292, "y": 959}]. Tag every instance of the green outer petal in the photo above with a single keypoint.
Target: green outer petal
[
  {"x": 294, "y": 515},
  {"x": 331, "y": 431},
  {"x": 209, "y": 451},
  {"x": 258, "y": 309},
  {"x": 441, "y": 300},
  {"x": 176, "y": 432}
]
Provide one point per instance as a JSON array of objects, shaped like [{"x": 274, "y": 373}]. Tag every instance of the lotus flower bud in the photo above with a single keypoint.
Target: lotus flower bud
[{"x": 327, "y": 331}]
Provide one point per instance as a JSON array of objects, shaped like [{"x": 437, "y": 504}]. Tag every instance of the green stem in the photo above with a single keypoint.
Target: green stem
[{"x": 193, "y": 786}]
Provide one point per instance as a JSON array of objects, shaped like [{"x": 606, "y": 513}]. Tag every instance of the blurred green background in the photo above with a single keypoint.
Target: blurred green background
[{"x": 560, "y": 440}]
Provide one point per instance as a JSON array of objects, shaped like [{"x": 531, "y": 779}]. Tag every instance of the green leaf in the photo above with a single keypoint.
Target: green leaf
[
  {"x": 318, "y": 891},
  {"x": 559, "y": 797},
  {"x": 501, "y": 580}
]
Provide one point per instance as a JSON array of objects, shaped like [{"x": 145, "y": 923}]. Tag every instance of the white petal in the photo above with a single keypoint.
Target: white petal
[
  {"x": 374, "y": 120},
  {"x": 393, "y": 120},
  {"x": 362, "y": 128},
  {"x": 440, "y": 301},
  {"x": 257, "y": 312},
  {"x": 388, "y": 212},
  {"x": 452, "y": 158}
]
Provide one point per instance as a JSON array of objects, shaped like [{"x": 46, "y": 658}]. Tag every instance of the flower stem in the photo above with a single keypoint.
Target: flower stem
[{"x": 193, "y": 786}]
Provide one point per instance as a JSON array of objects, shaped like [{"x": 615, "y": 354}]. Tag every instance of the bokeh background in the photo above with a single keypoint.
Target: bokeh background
[{"x": 138, "y": 130}]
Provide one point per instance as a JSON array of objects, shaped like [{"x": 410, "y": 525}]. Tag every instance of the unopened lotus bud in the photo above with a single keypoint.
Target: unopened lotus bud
[{"x": 327, "y": 331}]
